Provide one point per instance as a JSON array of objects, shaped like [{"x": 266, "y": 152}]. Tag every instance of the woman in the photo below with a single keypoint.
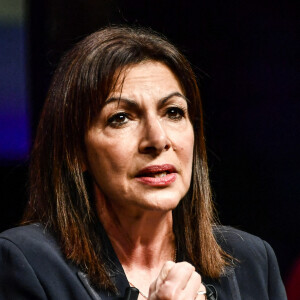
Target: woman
[{"x": 119, "y": 194}]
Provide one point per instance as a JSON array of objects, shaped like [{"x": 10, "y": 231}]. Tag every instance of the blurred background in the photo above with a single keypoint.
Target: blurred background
[{"x": 244, "y": 54}]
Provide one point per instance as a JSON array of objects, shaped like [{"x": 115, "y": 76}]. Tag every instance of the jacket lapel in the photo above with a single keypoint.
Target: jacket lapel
[
  {"x": 120, "y": 281},
  {"x": 115, "y": 268},
  {"x": 226, "y": 286},
  {"x": 85, "y": 282}
]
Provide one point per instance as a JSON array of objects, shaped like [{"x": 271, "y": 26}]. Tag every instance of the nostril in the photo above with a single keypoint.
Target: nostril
[
  {"x": 150, "y": 149},
  {"x": 154, "y": 139}
]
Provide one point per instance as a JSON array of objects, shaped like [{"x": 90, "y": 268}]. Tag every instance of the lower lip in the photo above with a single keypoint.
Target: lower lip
[{"x": 158, "y": 181}]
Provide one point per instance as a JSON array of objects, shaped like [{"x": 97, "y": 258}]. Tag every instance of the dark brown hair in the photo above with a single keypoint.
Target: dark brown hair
[{"x": 59, "y": 197}]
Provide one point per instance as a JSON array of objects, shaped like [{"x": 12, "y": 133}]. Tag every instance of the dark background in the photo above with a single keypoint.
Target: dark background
[{"x": 244, "y": 54}]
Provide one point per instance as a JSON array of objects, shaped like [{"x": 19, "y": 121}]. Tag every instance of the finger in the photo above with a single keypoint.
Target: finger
[
  {"x": 166, "y": 270},
  {"x": 181, "y": 274},
  {"x": 193, "y": 286},
  {"x": 174, "y": 283},
  {"x": 201, "y": 296},
  {"x": 161, "y": 277}
]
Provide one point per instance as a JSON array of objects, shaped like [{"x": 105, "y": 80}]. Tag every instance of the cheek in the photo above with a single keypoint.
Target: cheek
[
  {"x": 108, "y": 157},
  {"x": 185, "y": 142},
  {"x": 186, "y": 151}
]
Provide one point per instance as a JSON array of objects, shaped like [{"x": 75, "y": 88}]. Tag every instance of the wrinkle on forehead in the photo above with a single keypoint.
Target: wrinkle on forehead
[{"x": 125, "y": 74}]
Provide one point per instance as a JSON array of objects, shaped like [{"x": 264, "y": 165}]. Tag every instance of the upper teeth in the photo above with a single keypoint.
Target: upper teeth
[{"x": 163, "y": 174}]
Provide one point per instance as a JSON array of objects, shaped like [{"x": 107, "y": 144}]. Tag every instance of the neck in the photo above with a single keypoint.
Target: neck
[{"x": 141, "y": 238}]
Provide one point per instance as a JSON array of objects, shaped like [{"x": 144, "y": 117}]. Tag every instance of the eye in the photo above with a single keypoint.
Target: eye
[
  {"x": 118, "y": 119},
  {"x": 175, "y": 113}
]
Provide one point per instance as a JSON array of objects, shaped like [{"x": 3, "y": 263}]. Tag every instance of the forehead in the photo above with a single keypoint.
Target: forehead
[{"x": 147, "y": 77}]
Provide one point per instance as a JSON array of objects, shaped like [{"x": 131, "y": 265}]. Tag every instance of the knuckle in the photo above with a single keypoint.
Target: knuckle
[
  {"x": 166, "y": 291},
  {"x": 187, "y": 266},
  {"x": 169, "y": 264},
  {"x": 197, "y": 276},
  {"x": 166, "y": 269}
]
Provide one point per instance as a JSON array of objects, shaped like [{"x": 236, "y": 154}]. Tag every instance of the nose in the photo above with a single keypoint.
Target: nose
[{"x": 154, "y": 138}]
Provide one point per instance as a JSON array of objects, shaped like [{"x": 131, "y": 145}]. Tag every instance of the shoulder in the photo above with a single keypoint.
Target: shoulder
[
  {"x": 255, "y": 264},
  {"x": 21, "y": 233},
  {"x": 31, "y": 262},
  {"x": 28, "y": 237},
  {"x": 239, "y": 243},
  {"x": 31, "y": 243},
  {"x": 249, "y": 251}
]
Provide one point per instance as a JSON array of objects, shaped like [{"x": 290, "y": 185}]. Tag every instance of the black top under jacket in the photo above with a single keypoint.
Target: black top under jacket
[{"x": 33, "y": 267}]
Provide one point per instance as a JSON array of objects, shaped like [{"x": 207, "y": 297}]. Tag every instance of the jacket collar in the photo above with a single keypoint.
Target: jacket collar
[{"x": 226, "y": 286}]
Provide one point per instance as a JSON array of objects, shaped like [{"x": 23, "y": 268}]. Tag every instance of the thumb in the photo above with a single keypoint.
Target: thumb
[{"x": 164, "y": 272}]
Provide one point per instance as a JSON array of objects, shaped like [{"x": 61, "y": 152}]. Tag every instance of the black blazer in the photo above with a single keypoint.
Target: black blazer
[{"x": 33, "y": 267}]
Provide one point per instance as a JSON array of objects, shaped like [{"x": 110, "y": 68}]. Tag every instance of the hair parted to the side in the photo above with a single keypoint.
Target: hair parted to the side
[{"x": 59, "y": 196}]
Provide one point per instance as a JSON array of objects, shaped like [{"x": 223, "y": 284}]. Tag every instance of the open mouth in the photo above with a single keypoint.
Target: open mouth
[
  {"x": 155, "y": 175},
  {"x": 157, "y": 171}
]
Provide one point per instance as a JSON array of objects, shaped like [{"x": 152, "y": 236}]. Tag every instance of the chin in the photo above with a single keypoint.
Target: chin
[{"x": 160, "y": 204}]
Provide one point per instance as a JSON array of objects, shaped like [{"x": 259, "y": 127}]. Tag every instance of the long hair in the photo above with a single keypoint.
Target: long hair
[{"x": 59, "y": 193}]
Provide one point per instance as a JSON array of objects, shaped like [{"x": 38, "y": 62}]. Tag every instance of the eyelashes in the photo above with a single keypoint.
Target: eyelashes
[
  {"x": 173, "y": 113},
  {"x": 118, "y": 119}
]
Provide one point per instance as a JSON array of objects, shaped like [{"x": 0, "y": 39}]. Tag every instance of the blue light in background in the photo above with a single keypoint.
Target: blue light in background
[{"x": 14, "y": 108}]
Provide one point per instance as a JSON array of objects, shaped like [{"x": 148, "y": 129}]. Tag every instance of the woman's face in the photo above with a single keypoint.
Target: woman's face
[{"x": 140, "y": 149}]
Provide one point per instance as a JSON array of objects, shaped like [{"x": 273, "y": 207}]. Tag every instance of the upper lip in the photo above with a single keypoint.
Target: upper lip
[{"x": 157, "y": 169}]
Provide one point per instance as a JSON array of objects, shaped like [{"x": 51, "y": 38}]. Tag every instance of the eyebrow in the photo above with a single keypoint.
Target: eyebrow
[{"x": 133, "y": 103}]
